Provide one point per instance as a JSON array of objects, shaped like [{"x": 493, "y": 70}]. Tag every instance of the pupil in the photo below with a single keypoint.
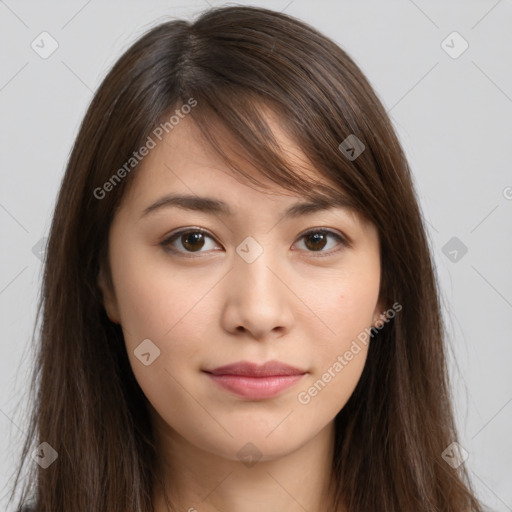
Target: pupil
[
  {"x": 195, "y": 237},
  {"x": 317, "y": 237}
]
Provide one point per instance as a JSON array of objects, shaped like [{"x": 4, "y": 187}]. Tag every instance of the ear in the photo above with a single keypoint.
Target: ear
[
  {"x": 380, "y": 312},
  {"x": 109, "y": 298}
]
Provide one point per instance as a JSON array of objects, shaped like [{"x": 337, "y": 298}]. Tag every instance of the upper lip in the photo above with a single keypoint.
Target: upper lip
[{"x": 248, "y": 369}]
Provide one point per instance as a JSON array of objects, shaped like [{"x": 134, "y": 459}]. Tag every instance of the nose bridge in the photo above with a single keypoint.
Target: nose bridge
[
  {"x": 252, "y": 261},
  {"x": 257, "y": 300}
]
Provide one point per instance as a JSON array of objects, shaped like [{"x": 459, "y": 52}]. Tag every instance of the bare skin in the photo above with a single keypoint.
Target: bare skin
[{"x": 205, "y": 306}]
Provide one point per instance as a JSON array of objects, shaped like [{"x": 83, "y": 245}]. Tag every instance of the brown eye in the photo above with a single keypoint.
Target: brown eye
[
  {"x": 316, "y": 241},
  {"x": 190, "y": 240},
  {"x": 195, "y": 240}
]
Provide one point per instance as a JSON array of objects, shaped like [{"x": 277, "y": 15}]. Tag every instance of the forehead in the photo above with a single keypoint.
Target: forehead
[
  {"x": 183, "y": 163},
  {"x": 184, "y": 158}
]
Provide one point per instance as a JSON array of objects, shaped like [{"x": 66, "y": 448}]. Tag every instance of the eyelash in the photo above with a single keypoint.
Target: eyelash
[{"x": 166, "y": 244}]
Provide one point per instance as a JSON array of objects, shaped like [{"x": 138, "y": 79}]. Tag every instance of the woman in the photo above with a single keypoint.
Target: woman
[{"x": 239, "y": 305}]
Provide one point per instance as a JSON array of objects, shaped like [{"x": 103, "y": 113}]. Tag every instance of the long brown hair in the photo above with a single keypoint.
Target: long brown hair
[{"x": 231, "y": 62}]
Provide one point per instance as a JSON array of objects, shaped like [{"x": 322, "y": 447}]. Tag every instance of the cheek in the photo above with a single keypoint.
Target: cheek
[
  {"x": 164, "y": 305},
  {"x": 345, "y": 308},
  {"x": 156, "y": 299},
  {"x": 346, "y": 304},
  {"x": 167, "y": 309}
]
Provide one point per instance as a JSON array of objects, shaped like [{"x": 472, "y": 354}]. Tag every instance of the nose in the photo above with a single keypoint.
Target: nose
[{"x": 258, "y": 300}]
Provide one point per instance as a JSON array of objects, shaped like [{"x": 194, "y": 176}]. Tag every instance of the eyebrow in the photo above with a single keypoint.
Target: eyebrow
[{"x": 218, "y": 207}]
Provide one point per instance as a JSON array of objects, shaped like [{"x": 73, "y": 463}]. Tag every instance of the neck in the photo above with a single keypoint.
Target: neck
[{"x": 197, "y": 480}]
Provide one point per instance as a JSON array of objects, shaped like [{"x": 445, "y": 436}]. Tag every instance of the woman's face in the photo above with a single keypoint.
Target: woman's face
[{"x": 241, "y": 287}]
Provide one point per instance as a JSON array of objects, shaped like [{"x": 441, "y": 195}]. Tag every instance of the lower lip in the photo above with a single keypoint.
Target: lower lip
[{"x": 256, "y": 388}]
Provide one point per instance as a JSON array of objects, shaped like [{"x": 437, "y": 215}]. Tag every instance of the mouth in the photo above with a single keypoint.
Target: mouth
[{"x": 254, "y": 381}]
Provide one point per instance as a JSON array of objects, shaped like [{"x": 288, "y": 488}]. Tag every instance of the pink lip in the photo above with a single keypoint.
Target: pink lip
[{"x": 254, "y": 381}]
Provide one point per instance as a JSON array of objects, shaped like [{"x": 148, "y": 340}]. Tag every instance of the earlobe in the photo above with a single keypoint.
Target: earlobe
[
  {"x": 109, "y": 300},
  {"x": 111, "y": 319},
  {"x": 379, "y": 315}
]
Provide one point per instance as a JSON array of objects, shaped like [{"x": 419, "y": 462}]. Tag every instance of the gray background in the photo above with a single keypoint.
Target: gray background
[{"x": 452, "y": 116}]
